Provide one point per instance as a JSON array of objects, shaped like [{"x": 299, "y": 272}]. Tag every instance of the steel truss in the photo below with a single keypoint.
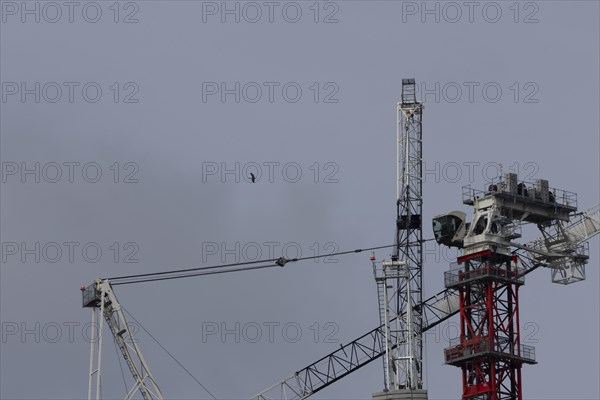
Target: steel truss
[
  {"x": 361, "y": 351},
  {"x": 488, "y": 350},
  {"x": 100, "y": 297},
  {"x": 401, "y": 280}
]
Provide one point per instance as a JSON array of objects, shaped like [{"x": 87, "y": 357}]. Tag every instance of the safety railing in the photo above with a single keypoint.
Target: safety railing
[
  {"x": 461, "y": 275},
  {"x": 472, "y": 347},
  {"x": 524, "y": 190}
]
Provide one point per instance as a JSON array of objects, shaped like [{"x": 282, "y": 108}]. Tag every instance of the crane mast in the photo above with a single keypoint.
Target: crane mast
[{"x": 399, "y": 280}]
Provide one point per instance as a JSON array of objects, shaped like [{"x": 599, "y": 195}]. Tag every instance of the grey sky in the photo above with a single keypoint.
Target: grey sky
[{"x": 543, "y": 125}]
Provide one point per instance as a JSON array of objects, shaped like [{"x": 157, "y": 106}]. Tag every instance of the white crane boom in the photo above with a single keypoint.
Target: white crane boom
[
  {"x": 564, "y": 248},
  {"x": 100, "y": 297}
]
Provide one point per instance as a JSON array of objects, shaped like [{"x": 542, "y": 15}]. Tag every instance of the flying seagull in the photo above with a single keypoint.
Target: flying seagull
[{"x": 252, "y": 177}]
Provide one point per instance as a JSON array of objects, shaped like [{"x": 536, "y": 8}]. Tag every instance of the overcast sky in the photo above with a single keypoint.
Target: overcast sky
[{"x": 129, "y": 130}]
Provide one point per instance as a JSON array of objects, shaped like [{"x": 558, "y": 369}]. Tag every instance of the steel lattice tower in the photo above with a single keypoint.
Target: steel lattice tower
[
  {"x": 489, "y": 350},
  {"x": 400, "y": 281},
  {"x": 409, "y": 232}
]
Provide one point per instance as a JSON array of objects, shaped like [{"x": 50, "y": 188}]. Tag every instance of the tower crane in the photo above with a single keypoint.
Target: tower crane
[
  {"x": 404, "y": 316},
  {"x": 436, "y": 309},
  {"x": 487, "y": 278},
  {"x": 490, "y": 255}
]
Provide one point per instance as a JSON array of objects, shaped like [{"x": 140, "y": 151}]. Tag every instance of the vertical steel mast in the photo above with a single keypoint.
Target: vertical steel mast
[
  {"x": 409, "y": 233},
  {"x": 400, "y": 281}
]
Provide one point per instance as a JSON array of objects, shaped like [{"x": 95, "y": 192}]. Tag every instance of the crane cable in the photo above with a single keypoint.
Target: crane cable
[
  {"x": 225, "y": 268},
  {"x": 170, "y": 355}
]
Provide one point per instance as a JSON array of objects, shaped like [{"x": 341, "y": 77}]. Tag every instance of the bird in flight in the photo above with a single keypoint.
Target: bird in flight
[{"x": 252, "y": 177}]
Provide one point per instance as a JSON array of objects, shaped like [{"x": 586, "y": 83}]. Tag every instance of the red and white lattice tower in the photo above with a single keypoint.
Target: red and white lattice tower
[{"x": 487, "y": 278}]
